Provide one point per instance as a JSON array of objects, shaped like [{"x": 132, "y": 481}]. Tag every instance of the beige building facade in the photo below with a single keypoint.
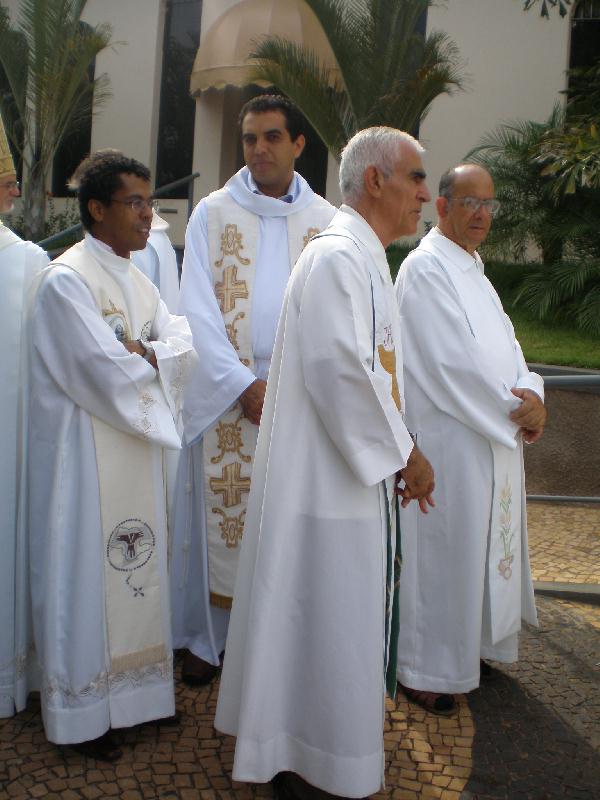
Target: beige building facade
[{"x": 514, "y": 62}]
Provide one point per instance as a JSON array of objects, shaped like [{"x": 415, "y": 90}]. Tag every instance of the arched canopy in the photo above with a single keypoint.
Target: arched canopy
[{"x": 222, "y": 58}]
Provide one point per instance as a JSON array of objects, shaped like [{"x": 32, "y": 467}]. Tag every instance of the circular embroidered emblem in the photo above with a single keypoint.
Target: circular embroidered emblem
[
  {"x": 130, "y": 545},
  {"x": 117, "y": 322}
]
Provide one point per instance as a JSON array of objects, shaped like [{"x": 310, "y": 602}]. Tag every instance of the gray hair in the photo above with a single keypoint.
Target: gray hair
[{"x": 371, "y": 147}]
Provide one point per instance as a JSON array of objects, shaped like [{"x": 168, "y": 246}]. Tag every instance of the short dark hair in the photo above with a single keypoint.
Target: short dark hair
[
  {"x": 294, "y": 121},
  {"x": 98, "y": 177}
]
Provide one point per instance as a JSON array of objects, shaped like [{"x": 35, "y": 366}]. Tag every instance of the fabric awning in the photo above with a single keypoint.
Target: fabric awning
[{"x": 222, "y": 58}]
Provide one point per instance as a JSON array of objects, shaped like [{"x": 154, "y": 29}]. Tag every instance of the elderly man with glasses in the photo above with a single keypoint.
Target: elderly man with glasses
[
  {"x": 108, "y": 367},
  {"x": 470, "y": 403}
]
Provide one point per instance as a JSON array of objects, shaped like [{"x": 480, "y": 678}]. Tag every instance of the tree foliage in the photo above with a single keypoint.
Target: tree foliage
[
  {"x": 537, "y": 209},
  {"x": 45, "y": 59},
  {"x": 388, "y": 73},
  {"x": 545, "y": 6},
  {"x": 570, "y": 153}
]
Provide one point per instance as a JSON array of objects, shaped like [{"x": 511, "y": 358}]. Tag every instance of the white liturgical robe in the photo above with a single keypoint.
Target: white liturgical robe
[
  {"x": 303, "y": 678},
  {"x": 84, "y": 381},
  {"x": 158, "y": 262},
  {"x": 19, "y": 262},
  {"x": 240, "y": 248},
  {"x": 466, "y": 581}
]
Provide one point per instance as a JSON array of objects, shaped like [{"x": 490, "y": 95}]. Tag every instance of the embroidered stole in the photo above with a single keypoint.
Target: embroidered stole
[
  {"x": 129, "y": 516},
  {"x": 505, "y": 554},
  {"x": 228, "y": 445}
]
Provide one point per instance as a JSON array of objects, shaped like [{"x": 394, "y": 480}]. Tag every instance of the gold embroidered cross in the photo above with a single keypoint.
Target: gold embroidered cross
[
  {"x": 231, "y": 244},
  {"x": 230, "y": 484},
  {"x": 387, "y": 359},
  {"x": 229, "y": 290}
]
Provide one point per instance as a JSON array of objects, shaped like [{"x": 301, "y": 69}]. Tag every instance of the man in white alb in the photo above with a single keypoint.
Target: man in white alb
[
  {"x": 311, "y": 645},
  {"x": 158, "y": 261},
  {"x": 241, "y": 244},
  {"x": 19, "y": 262},
  {"x": 470, "y": 402},
  {"x": 108, "y": 369}
]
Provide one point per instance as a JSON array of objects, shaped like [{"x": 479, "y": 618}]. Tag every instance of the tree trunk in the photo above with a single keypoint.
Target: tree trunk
[{"x": 34, "y": 204}]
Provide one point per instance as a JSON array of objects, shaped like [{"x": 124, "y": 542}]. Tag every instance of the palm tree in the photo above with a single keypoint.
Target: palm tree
[
  {"x": 530, "y": 212},
  {"x": 571, "y": 153},
  {"x": 535, "y": 209},
  {"x": 45, "y": 60},
  {"x": 544, "y": 10},
  {"x": 389, "y": 72}
]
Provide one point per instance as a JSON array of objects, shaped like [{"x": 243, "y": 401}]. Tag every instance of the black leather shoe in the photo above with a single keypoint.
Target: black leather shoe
[
  {"x": 104, "y": 748},
  {"x": 487, "y": 672},
  {"x": 290, "y": 786},
  {"x": 197, "y": 672},
  {"x": 169, "y": 722}
]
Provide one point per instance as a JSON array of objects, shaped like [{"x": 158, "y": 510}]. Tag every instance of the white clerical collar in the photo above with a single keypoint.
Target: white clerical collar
[
  {"x": 288, "y": 197},
  {"x": 240, "y": 189},
  {"x": 348, "y": 217},
  {"x": 457, "y": 254},
  {"x": 105, "y": 255}
]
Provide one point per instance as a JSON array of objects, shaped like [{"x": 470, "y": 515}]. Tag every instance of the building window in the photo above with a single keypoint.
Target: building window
[
  {"x": 174, "y": 157},
  {"x": 585, "y": 34}
]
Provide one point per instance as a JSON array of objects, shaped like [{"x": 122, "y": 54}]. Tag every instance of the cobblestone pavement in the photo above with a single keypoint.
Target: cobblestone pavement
[
  {"x": 532, "y": 731},
  {"x": 564, "y": 542}
]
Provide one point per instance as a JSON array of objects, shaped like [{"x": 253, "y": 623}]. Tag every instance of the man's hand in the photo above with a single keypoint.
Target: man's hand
[
  {"x": 252, "y": 400},
  {"x": 418, "y": 481},
  {"x": 133, "y": 346},
  {"x": 530, "y": 416}
]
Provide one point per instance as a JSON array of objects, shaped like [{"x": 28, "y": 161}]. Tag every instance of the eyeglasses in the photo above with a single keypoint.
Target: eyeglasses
[
  {"x": 473, "y": 204},
  {"x": 138, "y": 203},
  {"x": 10, "y": 185}
]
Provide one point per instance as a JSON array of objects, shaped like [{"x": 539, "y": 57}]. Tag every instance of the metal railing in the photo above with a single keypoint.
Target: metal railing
[{"x": 46, "y": 244}]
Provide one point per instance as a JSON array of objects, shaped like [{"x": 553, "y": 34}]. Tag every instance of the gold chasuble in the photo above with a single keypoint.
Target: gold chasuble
[
  {"x": 129, "y": 524},
  {"x": 228, "y": 445}
]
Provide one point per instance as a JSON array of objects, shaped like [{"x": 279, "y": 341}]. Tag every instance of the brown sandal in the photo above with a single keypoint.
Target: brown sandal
[{"x": 434, "y": 703}]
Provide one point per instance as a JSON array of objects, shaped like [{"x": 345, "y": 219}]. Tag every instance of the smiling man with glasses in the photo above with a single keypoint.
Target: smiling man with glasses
[
  {"x": 470, "y": 402},
  {"x": 109, "y": 364}
]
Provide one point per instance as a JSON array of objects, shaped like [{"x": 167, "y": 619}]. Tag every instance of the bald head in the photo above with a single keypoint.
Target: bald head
[{"x": 466, "y": 205}]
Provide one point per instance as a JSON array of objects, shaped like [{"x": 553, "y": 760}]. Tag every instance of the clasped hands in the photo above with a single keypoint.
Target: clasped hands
[
  {"x": 252, "y": 399},
  {"x": 530, "y": 416},
  {"x": 418, "y": 481},
  {"x": 133, "y": 346}
]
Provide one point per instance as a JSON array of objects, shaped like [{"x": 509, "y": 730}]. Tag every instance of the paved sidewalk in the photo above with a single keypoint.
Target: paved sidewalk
[
  {"x": 531, "y": 732},
  {"x": 564, "y": 542}
]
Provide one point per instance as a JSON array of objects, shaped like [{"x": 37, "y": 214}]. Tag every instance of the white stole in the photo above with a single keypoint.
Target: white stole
[{"x": 129, "y": 522}]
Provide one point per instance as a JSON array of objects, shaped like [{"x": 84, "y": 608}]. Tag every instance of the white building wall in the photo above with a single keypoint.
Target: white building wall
[
  {"x": 515, "y": 64},
  {"x": 129, "y": 120}
]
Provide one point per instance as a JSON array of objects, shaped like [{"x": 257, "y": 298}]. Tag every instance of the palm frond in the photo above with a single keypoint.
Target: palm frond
[
  {"x": 298, "y": 72},
  {"x": 389, "y": 74}
]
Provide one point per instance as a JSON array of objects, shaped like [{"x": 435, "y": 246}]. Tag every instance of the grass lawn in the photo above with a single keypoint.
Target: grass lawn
[
  {"x": 554, "y": 343},
  {"x": 543, "y": 342}
]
